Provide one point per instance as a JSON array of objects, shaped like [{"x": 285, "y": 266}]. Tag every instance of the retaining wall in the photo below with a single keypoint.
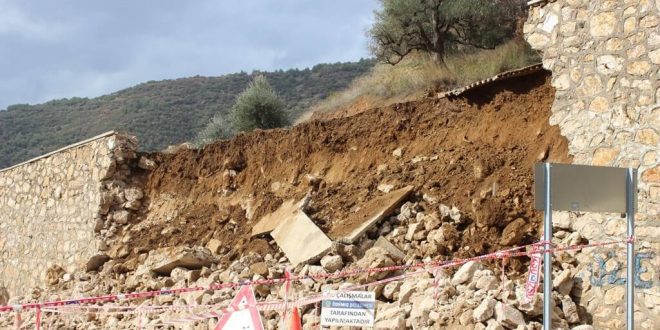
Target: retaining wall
[
  {"x": 605, "y": 60},
  {"x": 54, "y": 209}
]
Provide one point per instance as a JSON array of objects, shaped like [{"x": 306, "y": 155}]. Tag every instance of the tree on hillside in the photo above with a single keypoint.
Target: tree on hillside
[
  {"x": 437, "y": 26},
  {"x": 258, "y": 106}
]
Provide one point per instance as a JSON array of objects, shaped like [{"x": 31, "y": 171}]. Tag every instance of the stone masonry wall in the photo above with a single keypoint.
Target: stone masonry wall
[
  {"x": 605, "y": 60},
  {"x": 55, "y": 210}
]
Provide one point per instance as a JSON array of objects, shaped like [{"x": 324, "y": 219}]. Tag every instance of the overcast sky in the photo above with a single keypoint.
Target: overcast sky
[{"x": 65, "y": 48}]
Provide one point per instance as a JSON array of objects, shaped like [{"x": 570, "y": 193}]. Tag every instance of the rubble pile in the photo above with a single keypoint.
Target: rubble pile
[{"x": 474, "y": 295}]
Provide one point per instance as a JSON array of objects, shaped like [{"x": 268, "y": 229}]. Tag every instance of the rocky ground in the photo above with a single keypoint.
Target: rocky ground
[{"x": 474, "y": 295}]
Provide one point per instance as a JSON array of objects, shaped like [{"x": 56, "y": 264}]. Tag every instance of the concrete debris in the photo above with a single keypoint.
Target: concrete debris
[
  {"x": 508, "y": 316},
  {"x": 465, "y": 272},
  {"x": 373, "y": 212},
  {"x": 300, "y": 239},
  {"x": 485, "y": 310},
  {"x": 214, "y": 245},
  {"x": 452, "y": 213},
  {"x": 412, "y": 229},
  {"x": 269, "y": 222},
  {"x": 332, "y": 264},
  {"x": 563, "y": 282},
  {"x": 393, "y": 251},
  {"x": 570, "y": 310},
  {"x": 164, "y": 260},
  {"x": 391, "y": 290},
  {"x": 384, "y": 187},
  {"x": 373, "y": 258},
  {"x": 390, "y": 317}
]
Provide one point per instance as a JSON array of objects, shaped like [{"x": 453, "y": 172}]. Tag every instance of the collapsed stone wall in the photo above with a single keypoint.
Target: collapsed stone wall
[
  {"x": 59, "y": 210},
  {"x": 605, "y": 60}
]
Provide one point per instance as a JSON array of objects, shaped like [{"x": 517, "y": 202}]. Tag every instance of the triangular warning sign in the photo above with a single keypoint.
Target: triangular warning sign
[{"x": 246, "y": 316}]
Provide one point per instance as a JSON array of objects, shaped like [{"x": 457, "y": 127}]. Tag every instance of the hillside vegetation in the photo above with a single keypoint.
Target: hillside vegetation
[
  {"x": 418, "y": 73},
  {"x": 159, "y": 113}
]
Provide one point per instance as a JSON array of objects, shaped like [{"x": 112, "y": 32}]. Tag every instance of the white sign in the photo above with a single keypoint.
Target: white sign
[{"x": 348, "y": 308}]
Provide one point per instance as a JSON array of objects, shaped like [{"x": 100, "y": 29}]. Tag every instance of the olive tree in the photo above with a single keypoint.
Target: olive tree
[
  {"x": 258, "y": 106},
  {"x": 437, "y": 26}
]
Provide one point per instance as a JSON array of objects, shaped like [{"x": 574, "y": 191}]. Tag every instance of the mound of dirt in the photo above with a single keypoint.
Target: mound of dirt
[{"x": 475, "y": 152}]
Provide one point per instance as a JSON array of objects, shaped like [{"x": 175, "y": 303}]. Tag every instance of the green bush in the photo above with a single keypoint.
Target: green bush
[{"x": 258, "y": 107}]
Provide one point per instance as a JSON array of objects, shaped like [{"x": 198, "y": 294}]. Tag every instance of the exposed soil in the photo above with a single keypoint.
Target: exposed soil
[{"x": 457, "y": 151}]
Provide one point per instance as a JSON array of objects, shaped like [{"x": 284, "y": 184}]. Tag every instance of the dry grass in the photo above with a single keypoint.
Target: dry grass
[{"x": 387, "y": 84}]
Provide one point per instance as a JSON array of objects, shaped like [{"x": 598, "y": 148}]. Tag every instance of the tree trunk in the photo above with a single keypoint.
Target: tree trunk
[
  {"x": 438, "y": 50},
  {"x": 438, "y": 53},
  {"x": 439, "y": 58}
]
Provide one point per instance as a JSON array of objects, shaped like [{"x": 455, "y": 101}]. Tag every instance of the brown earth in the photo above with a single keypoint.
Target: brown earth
[{"x": 457, "y": 151}]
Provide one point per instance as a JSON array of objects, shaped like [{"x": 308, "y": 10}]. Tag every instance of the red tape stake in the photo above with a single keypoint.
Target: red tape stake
[
  {"x": 287, "y": 287},
  {"x": 37, "y": 320},
  {"x": 436, "y": 291},
  {"x": 18, "y": 321}
]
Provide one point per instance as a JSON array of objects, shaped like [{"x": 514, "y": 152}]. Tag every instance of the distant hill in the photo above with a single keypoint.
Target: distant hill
[{"x": 159, "y": 113}]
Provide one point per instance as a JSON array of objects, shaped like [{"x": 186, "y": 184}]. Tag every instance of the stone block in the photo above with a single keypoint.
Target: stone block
[
  {"x": 508, "y": 316},
  {"x": 485, "y": 310},
  {"x": 648, "y": 136},
  {"x": 605, "y": 156},
  {"x": 270, "y": 221},
  {"x": 259, "y": 268},
  {"x": 163, "y": 260},
  {"x": 655, "y": 56},
  {"x": 386, "y": 245},
  {"x": 638, "y": 68},
  {"x": 603, "y": 24},
  {"x": 332, "y": 263},
  {"x": 370, "y": 214},
  {"x": 95, "y": 262},
  {"x": 465, "y": 273},
  {"x": 651, "y": 175},
  {"x": 300, "y": 239},
  {"x": 570, "y": 310}
]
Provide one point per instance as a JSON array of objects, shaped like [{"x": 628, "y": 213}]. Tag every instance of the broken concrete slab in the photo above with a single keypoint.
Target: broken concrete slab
[
  {"x": 300, "y": 239},
  {"x": 386, "y": 245},
  {"x": 369, "y": 215},
  {"x": 270, "y": 221},
  {"x": 162, "y": 261}
]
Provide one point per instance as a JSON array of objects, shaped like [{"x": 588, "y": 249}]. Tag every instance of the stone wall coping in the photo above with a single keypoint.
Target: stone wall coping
[
  {"x": 500, "y": 76},
  {"x": 77, "y": 144}
]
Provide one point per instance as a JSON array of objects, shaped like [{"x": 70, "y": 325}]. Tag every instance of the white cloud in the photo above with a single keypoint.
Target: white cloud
[
  {"x": 15, "y": 22},
  {"x": 65, "y": 48}
]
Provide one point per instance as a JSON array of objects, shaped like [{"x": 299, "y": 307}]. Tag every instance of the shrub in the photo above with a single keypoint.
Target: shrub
[{"x": 258, "y": 107}]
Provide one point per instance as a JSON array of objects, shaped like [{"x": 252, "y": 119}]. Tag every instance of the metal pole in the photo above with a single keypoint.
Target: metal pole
[
  {"x": 547, "y": 256},
  {"x": 630, "y": 274}
]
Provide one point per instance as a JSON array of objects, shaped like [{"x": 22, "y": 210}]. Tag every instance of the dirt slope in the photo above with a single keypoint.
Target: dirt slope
[{"x": 455, "y": 151}]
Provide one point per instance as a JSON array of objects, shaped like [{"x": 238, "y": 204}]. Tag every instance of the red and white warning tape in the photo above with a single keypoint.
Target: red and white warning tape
[{"x": 75, "y": 306}]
